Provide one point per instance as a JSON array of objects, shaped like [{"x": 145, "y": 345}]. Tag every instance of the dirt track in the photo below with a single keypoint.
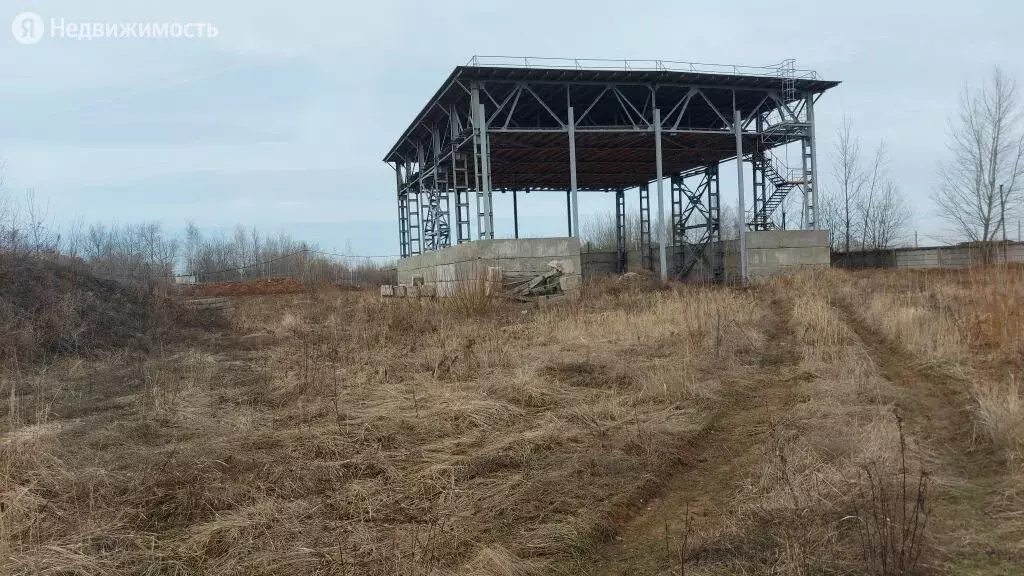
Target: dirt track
[
  {"x": 724, "y": 453},
  {"x": 969, "y": 498},
  {"x": 971, "y": 495}
]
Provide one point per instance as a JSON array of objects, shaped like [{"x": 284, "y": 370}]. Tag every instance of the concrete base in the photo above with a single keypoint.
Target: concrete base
[
  {"x": 769, "y": 253},
  {"x": 463, "y": 268},
  {"x": 780, "y": 252}
]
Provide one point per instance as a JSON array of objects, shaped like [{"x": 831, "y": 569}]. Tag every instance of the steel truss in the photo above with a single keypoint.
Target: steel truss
[
  {"x": 696, "y": 221},
  {"x": 535, "y": 129},
  {"x": 621, "y": 248}
]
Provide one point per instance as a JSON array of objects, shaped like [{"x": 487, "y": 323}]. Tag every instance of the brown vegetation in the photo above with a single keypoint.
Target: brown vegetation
[
  {"x": 51, "y": 308},
  {"x": 262, "y": 286},
  {"x": 691, "y": 430}
]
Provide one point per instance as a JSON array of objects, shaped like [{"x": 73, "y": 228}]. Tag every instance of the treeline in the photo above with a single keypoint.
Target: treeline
[{"x": 150, "y": 252}]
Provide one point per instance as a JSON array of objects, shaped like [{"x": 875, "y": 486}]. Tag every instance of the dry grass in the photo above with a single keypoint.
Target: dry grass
[
  {"x": 968, "y": 324},
  {"x": 1000, "y": 413},
  {"x": 336, "y": 433}
]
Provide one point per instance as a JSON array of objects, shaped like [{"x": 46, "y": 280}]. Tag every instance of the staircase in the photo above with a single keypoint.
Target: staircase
[
  {"x": 777, "y": 179},
  {"x": 781, "y": 181}
]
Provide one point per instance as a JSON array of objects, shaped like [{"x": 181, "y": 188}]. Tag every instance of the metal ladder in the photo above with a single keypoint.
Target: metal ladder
[
  {"x": 403, "y": 224},
  {"x": 645, "y": 228},
  {"x": 787, "y": 70},
  {"x": 460, "y": 169},
  {"x": 808, "y": 182},
  {"x": 415, "y": 238}
]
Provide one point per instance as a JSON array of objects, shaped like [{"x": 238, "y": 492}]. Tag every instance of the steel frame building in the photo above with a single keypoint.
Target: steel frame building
[{"x": 538, "y": 124}]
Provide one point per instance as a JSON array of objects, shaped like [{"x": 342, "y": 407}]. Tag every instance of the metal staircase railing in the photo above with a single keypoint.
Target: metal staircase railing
[{"x": 782, "y": 181}]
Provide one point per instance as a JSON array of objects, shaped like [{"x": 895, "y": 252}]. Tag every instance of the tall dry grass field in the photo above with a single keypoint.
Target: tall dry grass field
[{"x": 769, "y": 429}]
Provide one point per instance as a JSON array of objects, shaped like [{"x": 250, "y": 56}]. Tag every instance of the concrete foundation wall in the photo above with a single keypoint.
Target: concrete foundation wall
[
  {"x": 770, "y": 253},
  {"x": 600, "y": 264},
  {"x": 779, "y": 252},
  {"x": 462, "y": 267}
]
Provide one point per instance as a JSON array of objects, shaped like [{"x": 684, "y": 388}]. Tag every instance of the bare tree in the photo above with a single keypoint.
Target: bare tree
[
  {"x": 882, "y": 213},
  {"x": 865, "y": 209},
  {"x": 599, "y": 231},
  {"x": 890, "y": 216},
  {"x": 849, "y": 178},
  {"x": 731, "y": 220},
  {"x": 980, "y": 184}
]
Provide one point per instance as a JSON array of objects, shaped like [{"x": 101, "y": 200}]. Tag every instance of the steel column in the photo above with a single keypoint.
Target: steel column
[
  {"x": 738, "y": 127},
  {"x": 460, "y": 183},
  {"x": 575, "y": 228},
  {"x": 662, "y": 256},
  {"x": 809, "y": 148},
  {"x": 485, "y": 214},
  {"x": 515, "y": 213},
  {"x": 568, "y": 211},
  {"x": 620, "y": 231}
]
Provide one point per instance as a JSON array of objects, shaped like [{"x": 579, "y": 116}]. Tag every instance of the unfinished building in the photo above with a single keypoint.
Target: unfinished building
[{"x": 514, "y": 125}]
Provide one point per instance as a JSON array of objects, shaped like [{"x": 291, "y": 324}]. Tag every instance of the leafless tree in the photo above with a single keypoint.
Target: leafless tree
[
  {"x": 849, "y": 178},
  {"x": 731, "y": 222},
  {"x": 75, "y": 239},
  {"x": 882, "y": 213},
  {"x": 980, "y": 184},
  {"x": 830, "y": 217},
  {"x": 890, "y": 216},
  {"x": 865, "y": 209}
]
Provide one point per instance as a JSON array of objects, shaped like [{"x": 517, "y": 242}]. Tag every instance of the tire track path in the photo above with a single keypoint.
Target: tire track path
[
  {"x": 724, "y": 453},
  {"x": 971, "y": 492}
]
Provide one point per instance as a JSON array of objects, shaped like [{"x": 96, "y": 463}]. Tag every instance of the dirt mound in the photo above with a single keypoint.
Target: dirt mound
[
  {"x": 50, "y": 308},
  {"x": 247, "y": 288}
]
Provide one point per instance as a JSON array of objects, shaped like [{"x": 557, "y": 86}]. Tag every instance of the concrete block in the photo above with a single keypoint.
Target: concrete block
[
  {"x": 387, "y": 291},
  {"x": 467, "y": 264},
  {"x": 493, "y": 281},
  {"x": 788, "y": 256},
  {"x": 569, "y": 283},
  {"x": 787, "y": 239}
]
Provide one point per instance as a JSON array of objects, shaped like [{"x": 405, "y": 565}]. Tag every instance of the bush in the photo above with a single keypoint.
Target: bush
[{"x": 52, "y": 307}]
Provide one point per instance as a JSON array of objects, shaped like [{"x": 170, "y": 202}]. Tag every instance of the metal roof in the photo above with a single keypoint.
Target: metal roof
[{"x": 606, "y": 158}]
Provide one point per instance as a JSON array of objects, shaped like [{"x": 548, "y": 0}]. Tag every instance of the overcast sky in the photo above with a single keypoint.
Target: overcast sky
[{"x": 281, "y": 121}]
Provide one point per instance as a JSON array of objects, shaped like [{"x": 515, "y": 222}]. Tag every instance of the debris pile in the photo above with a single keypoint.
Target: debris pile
[
  {"x": 557, "y": 282},
  {"x": 530, "y": 286}
]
